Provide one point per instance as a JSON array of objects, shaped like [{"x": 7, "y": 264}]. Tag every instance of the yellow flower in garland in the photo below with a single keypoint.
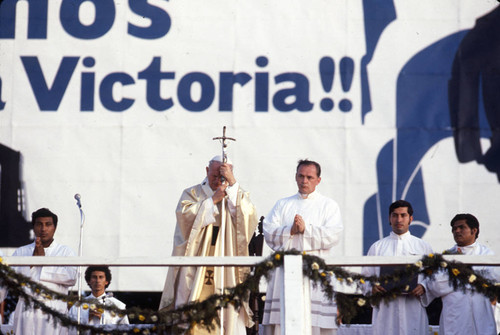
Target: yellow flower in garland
[
  {"x": 455, "y": 271},
  {"x": 443, "y": 264},
  {"x": 142, "y": 317},
  {"x": 485, "y": 285},
  {"x": 431, "y": 255},
  {"x": 340, "y": 279},
  {"x": 277, "y": 257},
  {"x": 315, "y": 266},
  {"x": 361, "y": 280},
  {"x": 419, "y": 264},
  {"x": 472, "y": 278},
  {"x": 154, "y": 318},
  {"x": 323, "y": 274},
  {"x": 361, "y": 302},
  {"x": 85, "y": 306},
  {"x": 136, "y": 330}
]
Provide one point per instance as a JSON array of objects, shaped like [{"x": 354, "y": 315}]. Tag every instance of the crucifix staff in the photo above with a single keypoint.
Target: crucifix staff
[{"x": 223, "y": 139}]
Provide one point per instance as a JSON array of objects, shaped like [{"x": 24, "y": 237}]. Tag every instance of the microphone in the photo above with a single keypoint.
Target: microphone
[{"x": 77, "y": 198}]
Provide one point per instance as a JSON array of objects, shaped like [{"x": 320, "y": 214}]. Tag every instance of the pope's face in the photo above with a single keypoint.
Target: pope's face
[
  {"x": 98, "y": 282},
  {"x": 307, "y": 179},
  {"x": 44, "y": 228},
  {"x": 400, "y": 220},
  {"x": 213, "y": 175}
]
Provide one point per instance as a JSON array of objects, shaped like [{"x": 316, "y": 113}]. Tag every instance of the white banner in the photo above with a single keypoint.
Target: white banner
[{"x": 119, "y": 101}]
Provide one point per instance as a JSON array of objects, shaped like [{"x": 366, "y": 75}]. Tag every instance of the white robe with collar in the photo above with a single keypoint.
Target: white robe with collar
[
  {"x": 58, "y": 278},
  {"x": 405, "y": 315},
  {"x": 463, "y": 313},
  {"x": 323, "y": 230},
  {"x": 106, "y": 317}
]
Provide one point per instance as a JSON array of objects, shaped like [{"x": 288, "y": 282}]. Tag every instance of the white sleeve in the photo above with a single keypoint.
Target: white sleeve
[
  {"x": 276, "y": 233},
  {"x": 326, "y": 234},
  {"x": 232, "y": 195}
]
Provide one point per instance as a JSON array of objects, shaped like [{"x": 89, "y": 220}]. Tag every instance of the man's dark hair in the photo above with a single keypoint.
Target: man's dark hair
[
  {"x": 470, "y": 220},
  {"x": 43, "y": 213},
  {"x": 102, "y": 268},
  {"x": 308, "y": 162},
  {"x": 401, "y": 203}
]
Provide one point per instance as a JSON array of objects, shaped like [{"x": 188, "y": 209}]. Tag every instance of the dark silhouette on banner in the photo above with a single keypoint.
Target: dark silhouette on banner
[
  {"x": 475, "y": 86},
  {"x": 448, "y": 89},
  {"x": 14, "y": 227}
]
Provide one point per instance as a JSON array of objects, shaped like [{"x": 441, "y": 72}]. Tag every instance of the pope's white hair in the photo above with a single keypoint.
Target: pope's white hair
[{"x": 218, "y": 158}]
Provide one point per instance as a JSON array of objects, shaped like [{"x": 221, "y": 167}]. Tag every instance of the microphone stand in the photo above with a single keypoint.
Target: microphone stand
[{"x": 80, "y": 253}]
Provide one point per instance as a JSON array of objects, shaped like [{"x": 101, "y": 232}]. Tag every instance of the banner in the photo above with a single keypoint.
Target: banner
[{"x": 119, "y": 101}]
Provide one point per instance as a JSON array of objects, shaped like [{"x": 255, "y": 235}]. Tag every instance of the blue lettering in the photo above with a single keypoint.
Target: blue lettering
[
  {"x": 300, "y": 91},
  {"x": 207, "y": 91},
  {"x": 153, "y": 76},
  {"x": 106, "y": 91},
  {"x": 37, "y": 19},
  {"x": 2, "y": 104},
  {"x": 88, "y": 87},
  {"x": 105, "y": 13},
  {"x": 49, "y": 99},
  {"x": 160, "y": 20},
  {"x": 261, "y": 86},
  {"x": 227, "y": 81}
]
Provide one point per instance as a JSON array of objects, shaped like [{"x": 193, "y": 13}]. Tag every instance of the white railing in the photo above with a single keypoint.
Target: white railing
[{"x": 292, "y": 305}]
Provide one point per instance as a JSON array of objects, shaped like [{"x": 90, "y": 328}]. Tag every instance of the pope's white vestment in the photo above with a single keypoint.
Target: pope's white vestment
[
  {"x": 57, "y": 278},
  {"x": 406, "y": 315},
  {"x": 107, "y": 317},
  {"x": 464, "y": 313},
  {"x": 323, "y": 227},
  {"x": 196, "y": 218}
]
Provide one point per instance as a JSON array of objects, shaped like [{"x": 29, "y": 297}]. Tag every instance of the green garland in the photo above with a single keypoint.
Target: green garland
[{"x": 205, "y": 313}]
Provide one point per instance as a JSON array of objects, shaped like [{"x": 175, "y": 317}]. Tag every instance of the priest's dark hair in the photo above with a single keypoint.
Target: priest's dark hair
[
  {"x": 43, "y": 213},
  {"x": 399, "y": 204},
  {"x": 102, "y": 268},
  {"x": 309, "y": 162},
  {"x": 470, "y": 220}
]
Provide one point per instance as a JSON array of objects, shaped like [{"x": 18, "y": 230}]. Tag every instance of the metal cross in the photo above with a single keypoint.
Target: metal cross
[{"x": 224, "y": 144}]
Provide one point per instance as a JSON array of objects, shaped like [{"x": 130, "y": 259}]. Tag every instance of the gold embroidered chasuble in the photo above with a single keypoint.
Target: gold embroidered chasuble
[{"x": 193, "y": 237}]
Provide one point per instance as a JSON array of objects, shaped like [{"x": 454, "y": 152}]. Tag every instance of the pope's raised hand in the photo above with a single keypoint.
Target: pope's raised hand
[
  {"x": 220, "y": 193},
  {"x": 226, "y": 170}
]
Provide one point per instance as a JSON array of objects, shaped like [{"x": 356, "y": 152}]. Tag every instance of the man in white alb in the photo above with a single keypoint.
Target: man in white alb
[
  {"x": 98, "y": 278},
  {"x": 310, "y": 222},
  {"x": 32, "y": 321},
  {"x": 464, "y": 312},
  {"x": 405, "y": 315}
]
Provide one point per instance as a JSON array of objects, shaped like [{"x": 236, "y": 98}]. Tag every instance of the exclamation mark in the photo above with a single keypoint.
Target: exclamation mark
[
  {"x": 346, "y": 75},
  {"x": 326, "y": 72}
]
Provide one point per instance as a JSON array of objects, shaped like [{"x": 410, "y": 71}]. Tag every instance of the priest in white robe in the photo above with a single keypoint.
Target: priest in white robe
[
  {"x": 98, "y": 278},
  {"x": 32, "y": 321},
  {"x": 464, "y": 312},
  {"x": 197, "y": 233},
  {"x": 310, "y": 222},
  {"x": 406, "y": 315}
]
